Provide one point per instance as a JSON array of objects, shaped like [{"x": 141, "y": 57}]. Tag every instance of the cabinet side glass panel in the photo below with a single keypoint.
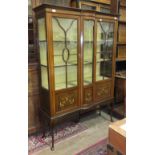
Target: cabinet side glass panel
[
  {"x": 43, "y": 52},
  {"x": 105, "y": 34},
  {"x": 44, "y": 77},
  {"x": 65, "y": 52},
  {"x": 88, "y": 51}
]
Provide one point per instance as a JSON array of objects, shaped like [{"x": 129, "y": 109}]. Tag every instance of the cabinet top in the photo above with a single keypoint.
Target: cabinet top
[{"x": 44, "y": 6}]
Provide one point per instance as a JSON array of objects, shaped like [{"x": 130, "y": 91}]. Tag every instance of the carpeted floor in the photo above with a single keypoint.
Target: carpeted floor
[
  {"x": 99, "y": 148},
  {"x": 36, "y": 142},
  {"x": 97, "y": 129}
]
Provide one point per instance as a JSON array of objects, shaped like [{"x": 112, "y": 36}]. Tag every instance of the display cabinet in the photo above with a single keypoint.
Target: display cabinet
[{"x": 77, "y": 59}]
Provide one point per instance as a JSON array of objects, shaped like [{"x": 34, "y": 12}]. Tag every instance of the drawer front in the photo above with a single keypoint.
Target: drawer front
[
  {"x": 88, "y": 95},
  {"x": 102, "y": 91},
  {"x": 66, "y": 100}
]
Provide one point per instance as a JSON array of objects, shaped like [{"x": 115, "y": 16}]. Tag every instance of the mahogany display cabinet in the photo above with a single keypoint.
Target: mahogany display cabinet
[{"x": 77, "y": 59}]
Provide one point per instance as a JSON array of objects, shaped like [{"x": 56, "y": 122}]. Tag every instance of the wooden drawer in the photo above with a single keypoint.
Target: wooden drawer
[
  {"x": 66, "y": 100},
  {"x": 122, "y": 52},
  {"x": 122, "y": 33},
  {"x": 103, "y": 90}
]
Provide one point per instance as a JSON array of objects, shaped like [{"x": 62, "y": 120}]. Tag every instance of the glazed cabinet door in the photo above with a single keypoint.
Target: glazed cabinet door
[
  {"x": 88, "y": 59},
  {"x": 66, "y": 55},
  {"x": 104, "y": 59}
]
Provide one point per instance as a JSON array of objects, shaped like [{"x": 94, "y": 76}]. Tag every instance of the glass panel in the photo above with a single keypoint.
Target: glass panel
[
  {"x": 88, "y": 74},
  {"x": 104, "y": 50},
  {"x": 65, "y": 51},
  {"x": 42, "y": 41},
  {"x": 60, "y": 78},
  {"x": 41, "y": 29},
  {"x": 88, "y": 7},
  {"x": 44, "y": 77},
  {"x": 88, "y": 51},
  {"x": 72, "y": 76},
  {"x": 43, "y": 53}
]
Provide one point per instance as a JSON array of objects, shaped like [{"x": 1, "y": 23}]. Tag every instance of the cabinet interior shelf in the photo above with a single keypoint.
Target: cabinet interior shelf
[
  {"x": 103, "y": 60},
  {"x": 120, "y": 59},
  {"x": 121, "y": 44},
  {"x": 61, "y": 54},
  {"x": 87, "y": 62},
  {"x": 63, "y": 84},
  {"x": 85, "y": 41},
  {"x": 121, "y": 22},
  {"x": 42, "y": 41},
  {"x": 123, "y": 5},
  {"x": 87, "y": 82},
  {"x": 71, "y": 64},
  {"x": 57, "y": 41}
]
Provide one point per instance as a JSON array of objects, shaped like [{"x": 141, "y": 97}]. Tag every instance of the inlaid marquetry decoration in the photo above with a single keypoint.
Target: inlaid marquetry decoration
[
  {"x": 65, "y": 101},
  {"x": 103, "y": 91},
  {"x": 88, "y": 96}
]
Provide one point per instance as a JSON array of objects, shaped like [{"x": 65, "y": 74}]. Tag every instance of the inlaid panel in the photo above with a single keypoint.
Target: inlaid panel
[
  {"x": 88, "y": 95},
  {"x": 102, "y": 91},
  {"x": 66, "y": 100}
]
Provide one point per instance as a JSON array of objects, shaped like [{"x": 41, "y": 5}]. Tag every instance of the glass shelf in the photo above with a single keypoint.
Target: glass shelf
[
  {"x": 62, "y": 85},
  {"x": 44, "y": 41},
  {"x": 87, "y": 62},
  {"x": 63, "y": 65},
  {"x": 88, "y": 41},
  {"x": 99, "y": 77},
  {"x": 61, "y": 54},
  {"x": 103, "y": 60},
  {"x": 87, "y": 82}
]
